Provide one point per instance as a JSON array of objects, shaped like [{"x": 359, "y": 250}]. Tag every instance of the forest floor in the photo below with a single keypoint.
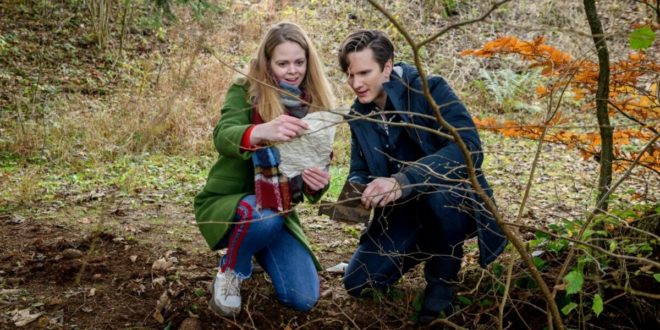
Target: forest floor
[
  {"x": 93, "y": 262},
  {"x": 90, "y": 262},
  {"x": 110, "y": 241}
]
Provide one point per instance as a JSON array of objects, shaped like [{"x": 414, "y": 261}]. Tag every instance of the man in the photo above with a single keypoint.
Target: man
[{"x": 416, "y": 179}]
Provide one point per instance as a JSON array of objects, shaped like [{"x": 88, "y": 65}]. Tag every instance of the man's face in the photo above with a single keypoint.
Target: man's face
[{"x": 366, "y": 78}]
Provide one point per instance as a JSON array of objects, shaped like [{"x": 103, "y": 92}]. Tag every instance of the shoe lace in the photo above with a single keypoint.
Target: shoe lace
[{"x": 231, "y": 286}]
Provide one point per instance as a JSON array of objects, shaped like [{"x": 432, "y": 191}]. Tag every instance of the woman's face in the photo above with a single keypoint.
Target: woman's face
[{"x": 289, "y": 63}]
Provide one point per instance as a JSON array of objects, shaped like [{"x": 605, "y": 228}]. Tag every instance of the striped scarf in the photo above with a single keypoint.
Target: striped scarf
[{"x": 273, "y": 189}]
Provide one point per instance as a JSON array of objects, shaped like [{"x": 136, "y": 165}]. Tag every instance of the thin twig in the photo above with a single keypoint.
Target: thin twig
[
  {"x": 346, "y": 315},
  {"x": 505, "y": 294},
  {"x": 641, "y": 123},
  {"x": 537, "y": 155},
  {"x": 634, "y": 292},
  {"x": 457, "y": 25},
  {"x": 447, "y": 323}
]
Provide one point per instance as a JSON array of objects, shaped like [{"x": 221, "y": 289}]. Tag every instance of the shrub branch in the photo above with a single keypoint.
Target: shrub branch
[{"x": 490, "y": 205}]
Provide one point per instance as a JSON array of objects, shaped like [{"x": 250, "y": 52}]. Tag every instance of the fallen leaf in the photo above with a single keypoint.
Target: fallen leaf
[
  {"x": 17, "y": 220},
  {"x": 119, "y": 212},
  {"x": 159, "y": 317},
  {"x": 326, "y": 293},
  {"x": 23, "y": 317},
  {"x": 9, "y": 292},
  {"x": 163, "y": 303},
  {"x": 43, "y": 321},
  {"x": 161, "y": 264},
  {"x": 72, "y": 254},
  {"x": 191, "y": 323},
  {"x": 159, "y": 280}
]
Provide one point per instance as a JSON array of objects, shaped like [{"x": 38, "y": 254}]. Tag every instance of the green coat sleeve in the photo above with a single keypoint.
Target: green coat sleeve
[{"x": 234, "y": 120}]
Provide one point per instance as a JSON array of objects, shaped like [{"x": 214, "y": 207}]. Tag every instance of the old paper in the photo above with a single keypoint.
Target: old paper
[{"x": 313, "y": 148}]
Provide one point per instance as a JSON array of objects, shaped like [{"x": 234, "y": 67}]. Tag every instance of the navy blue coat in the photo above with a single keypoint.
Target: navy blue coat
[{"x": 442, "y": 155}]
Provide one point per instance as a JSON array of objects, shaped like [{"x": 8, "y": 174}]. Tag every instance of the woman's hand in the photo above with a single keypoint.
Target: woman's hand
[
  {"x": 281, "y": 129},
  {"x": 381, "y": 192},
  {"x": 315, "y": 178}
]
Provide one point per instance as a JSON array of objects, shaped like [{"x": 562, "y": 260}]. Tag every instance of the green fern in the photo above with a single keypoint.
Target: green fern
[{"x": 512, "y": 91}]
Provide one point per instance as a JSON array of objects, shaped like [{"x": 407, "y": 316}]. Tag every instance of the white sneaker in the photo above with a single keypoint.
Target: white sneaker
[{"x": 226, "y": 294}]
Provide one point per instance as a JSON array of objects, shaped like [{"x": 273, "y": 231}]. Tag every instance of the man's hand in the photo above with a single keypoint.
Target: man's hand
[
  {"x": 381, "y": 192},
  {"x": 315, "y": 178},
  {"x": 281, "y": 129}
]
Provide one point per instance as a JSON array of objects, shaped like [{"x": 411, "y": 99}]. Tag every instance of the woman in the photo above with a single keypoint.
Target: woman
[{"x": 235, "y": 213}]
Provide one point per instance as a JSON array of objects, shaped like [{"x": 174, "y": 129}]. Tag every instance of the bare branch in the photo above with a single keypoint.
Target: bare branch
[
  {"x": 648, "y": 167},
  {"x": 641, "y": 123},
  {"x": 447, "y": 323},
  {"x": 505, "y": 294},
  {"x": 537, "y": 155},
  {"x": 346, "y": 315},
  {"x": 634, "y": 292},
  {"x": 457, "y": 25},
  {"x": 513, "y": 238}
]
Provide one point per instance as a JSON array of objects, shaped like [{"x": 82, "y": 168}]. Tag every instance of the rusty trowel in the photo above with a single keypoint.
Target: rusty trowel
[{"x": 348, "y": 207}]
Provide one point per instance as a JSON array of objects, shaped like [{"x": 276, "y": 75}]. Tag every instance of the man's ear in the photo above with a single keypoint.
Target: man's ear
[{"x": 387, "y": 68}]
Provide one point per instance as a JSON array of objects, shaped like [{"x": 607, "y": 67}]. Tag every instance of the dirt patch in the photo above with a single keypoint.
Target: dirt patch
[
  {"x": 74, "y": 280},
  {"x": 71, "y": 280},
  {"x": 99, "y": 280}
]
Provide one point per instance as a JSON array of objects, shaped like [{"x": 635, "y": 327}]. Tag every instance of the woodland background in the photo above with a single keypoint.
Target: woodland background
[{"x": 106, "y": 115}]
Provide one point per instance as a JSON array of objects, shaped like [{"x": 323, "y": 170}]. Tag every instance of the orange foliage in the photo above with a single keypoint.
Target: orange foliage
[
  {"x": 587, "y": 143},
  {"x": 629, "y": 93}
]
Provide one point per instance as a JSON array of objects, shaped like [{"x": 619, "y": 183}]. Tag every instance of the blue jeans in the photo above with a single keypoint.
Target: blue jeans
[
  {"x": 430, "y": 229},
  {"x": 262, "y": 234}
]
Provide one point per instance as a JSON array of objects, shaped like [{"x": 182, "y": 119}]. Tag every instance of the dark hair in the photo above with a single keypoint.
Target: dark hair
[{"x": 377, "y": 40}]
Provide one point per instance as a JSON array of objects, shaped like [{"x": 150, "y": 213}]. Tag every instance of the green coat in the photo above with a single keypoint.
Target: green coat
[{"x": 232, "y": 176}]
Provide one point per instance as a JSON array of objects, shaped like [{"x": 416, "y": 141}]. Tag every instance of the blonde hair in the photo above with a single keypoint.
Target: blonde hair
[{"x": 264, "y": 89}]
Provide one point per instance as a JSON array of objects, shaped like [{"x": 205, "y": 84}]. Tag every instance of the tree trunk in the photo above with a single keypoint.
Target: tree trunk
[{"x": 602, "y": 95}]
